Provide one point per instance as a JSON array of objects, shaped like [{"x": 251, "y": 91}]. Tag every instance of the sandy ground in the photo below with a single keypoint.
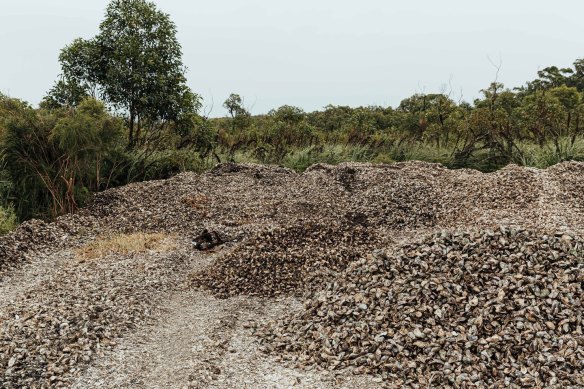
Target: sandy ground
[{"x": 199, "y": 341}]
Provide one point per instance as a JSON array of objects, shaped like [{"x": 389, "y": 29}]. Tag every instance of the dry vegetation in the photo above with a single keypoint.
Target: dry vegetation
[{"x": 124, "y": 244}]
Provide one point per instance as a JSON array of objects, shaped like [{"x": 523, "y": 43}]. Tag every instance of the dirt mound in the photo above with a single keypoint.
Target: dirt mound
[{"x": 488, "y": 308}]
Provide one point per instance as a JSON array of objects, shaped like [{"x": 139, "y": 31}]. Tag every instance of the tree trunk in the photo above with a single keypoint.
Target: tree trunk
[
  {"x": 131, "y": 131},
  {"x": 137, "y": 137}
]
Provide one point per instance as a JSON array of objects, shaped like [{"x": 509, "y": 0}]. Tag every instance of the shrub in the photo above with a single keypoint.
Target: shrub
[{"x": 8, "y": 219}]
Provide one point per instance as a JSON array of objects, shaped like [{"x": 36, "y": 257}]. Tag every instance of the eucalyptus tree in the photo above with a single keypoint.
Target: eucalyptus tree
[
  {"x": 240, "y": 116},
  {"x": 134, "y": 64},
  {"x": 494, "y": 123}
]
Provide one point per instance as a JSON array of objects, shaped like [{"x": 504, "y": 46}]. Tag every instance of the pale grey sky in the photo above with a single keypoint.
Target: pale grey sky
[{"x": 311, "y": 53}]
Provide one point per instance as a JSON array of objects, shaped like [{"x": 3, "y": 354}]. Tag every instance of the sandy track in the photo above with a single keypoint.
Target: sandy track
[{"x": 199, "y": 341}]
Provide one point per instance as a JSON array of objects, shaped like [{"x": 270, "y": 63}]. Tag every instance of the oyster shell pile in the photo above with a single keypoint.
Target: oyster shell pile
[
  {"x": 458, "y": 309},
  {"x": 277, "y": 261},
  {"x": 486, "y": 307}
]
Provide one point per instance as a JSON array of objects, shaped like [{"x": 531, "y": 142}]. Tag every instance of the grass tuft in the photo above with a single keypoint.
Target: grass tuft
[
  {"x": 125, "y": 244},
  {"x": 8, "y": 220}
]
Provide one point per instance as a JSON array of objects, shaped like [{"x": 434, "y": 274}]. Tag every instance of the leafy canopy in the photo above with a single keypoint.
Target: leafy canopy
[{"x": 134, "y": 64}]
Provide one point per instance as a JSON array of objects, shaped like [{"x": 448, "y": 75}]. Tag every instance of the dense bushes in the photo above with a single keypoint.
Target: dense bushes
[
  {"x": 536, "y": 125},
  {"x": 53, "y": 159}
]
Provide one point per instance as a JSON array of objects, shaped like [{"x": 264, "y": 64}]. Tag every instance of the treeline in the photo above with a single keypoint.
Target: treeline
[
  {"x": 121, "y": 112},
  {"x": 538, "y": 124}
]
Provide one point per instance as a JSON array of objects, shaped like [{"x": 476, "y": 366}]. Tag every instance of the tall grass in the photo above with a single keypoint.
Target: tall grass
[
  {"x": 542, "y": 157},
  {"x": 423, "y": 152},
  {"x": 301, "y": 159}
]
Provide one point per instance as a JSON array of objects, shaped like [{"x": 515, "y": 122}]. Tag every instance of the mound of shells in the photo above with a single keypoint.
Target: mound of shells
[
  {"x": 36, "y": 237},
  {"x": 284, "y": 260},
  {"x": 429, "y": 315},
  {"x": 490, "y": 308},
  {"x": 67, "y": 321}
]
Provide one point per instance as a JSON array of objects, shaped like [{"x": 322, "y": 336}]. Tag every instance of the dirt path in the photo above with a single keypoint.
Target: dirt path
[
  {"x": 202, "y": 342},
  {"x": 164, "y": 354},
  {"x": 199, "y": 341}
]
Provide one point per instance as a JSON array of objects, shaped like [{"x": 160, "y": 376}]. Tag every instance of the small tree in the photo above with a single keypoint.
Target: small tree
[
  {"x": 240, "y": 117},
  {"x": 134, "y": 64}
]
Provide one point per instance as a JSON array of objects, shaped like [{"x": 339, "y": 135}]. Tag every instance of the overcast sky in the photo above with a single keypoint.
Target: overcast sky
[{"x": 311, "y": 53}]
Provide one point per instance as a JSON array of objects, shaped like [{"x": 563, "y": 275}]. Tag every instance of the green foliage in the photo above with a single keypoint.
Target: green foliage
[
  {"x": 86, "y": 131},
  {"x": 79, "y": 78},
  {"x": 134, "y": 64},
  {"x": 535, "y": 155},
  {"x": 8, "y": 220},
  {"x": 64, "y": 93},
  {"x": 166, "y": 163},
  {"x": 423, "y": 152},
  {"x": 240, "y": 117},
  {"x": 300, "y": 159},
  {"x": 195, "y": 132},
  {"x": 55, "y": 158}
]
